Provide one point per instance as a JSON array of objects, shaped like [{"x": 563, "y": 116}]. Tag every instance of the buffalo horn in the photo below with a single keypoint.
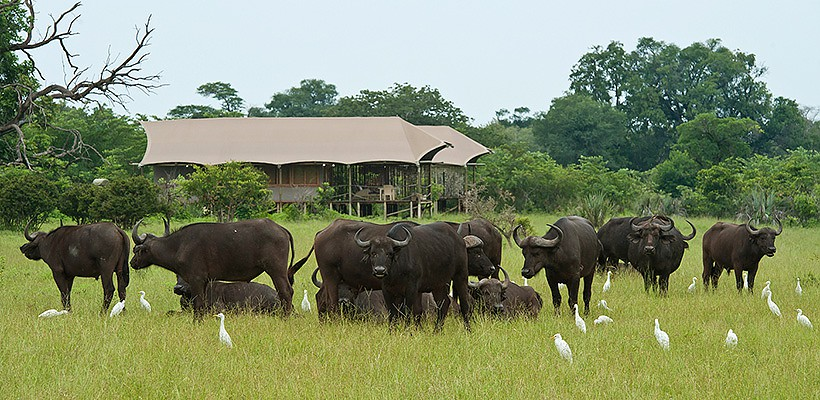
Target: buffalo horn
[
  {"x": 515, "y": 236},
  {"x": 664, "y": 227},
  {"x": 473, "y": 241},
  {"x": 694, "y": 231},
  {"x": 542, "y": 242},
  {"x": 460, "y": 230},
  {"x": 635, "y": 227},
  {"x": 167, "y": 226},
  {"x": 25, "y": 232},
  {"x": 315, "y": 278},
  {"x": 752, "y": 231},
  {"x": 473, "y": 284},
  {"x": 138, "y": 239},
  {"x": 360, "y": 242},
  {"x": 506, "y": 282},
  {"x": 402, "y": 243},
  {"x": 779, "y": 226}
]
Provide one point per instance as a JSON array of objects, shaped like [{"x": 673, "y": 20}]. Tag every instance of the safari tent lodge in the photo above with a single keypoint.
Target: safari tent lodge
[{"x": 367, "y": 161}]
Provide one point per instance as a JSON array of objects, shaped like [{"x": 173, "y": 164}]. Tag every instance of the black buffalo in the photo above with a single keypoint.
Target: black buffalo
[
  {"x": 567, "y": 252},
  {"x": 738, "y": 247},
  {"x": 410, "y": 260},
  {"x": 656, "y": 249},
  {"x": 491, "y": 243},
  {"x": 613, "y": 236},
  {"x": 233, "y": 251},
  {"x": 340, "y": 260},
  {"x": 505, "y": 298},
  {"x": 91, "y": 251},
  {"x": 231, "y": 296}
]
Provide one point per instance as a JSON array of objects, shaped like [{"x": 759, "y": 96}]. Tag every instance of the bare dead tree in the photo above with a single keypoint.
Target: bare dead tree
[{"x": 112, "y": 82}]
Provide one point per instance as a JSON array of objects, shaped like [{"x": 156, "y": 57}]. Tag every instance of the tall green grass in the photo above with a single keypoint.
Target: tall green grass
[{"x": 141, "y": 355}]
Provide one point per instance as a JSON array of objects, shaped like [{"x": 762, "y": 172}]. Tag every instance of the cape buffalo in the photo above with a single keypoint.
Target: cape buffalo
[
  {"x": 505, "y": 297},
  {"x": 738, "y": 247},
  {"x": 491, "y": 242},
  {"x": 656, "y": 249},
  {"x": 613, "y": 238},
  {"x": 410, "y": 260},
  {"x": 567, "y": 252},
  {"x": 231, "y": 296},
  {"x": 233, "y": 251},
  {"x": 340, "y": 260},
  {"x": 91, "y": 251}
]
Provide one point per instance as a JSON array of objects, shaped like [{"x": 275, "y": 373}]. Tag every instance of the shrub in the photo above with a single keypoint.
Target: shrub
[
  {"x": 123, "y": 201},
  {"x": 26, "y": 195},
  {"x": 228, "y": 191}
]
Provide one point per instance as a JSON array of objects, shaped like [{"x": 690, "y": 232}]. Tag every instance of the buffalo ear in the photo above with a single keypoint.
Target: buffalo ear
[
  {"x": 634, "y": 237},
  {"x": 666, "y": 239}
]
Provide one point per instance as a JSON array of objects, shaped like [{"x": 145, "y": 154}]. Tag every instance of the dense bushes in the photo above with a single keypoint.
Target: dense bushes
[{"x": 25, "y": 195}]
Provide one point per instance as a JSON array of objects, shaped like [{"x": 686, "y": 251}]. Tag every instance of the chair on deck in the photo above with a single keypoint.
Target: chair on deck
[{"x": 387, "y": 192}]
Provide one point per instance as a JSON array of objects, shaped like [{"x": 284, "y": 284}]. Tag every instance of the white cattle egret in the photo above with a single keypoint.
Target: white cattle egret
[
  {"x": 579, "y": 322},
  {"x": 608, "y": 283},
  {"x": 803, "y": 320},
  {"x": 775, "y": 309},
  {"x": 765, "y": 290},
  {"x": 694, "y": 285},
  {"x": 145, "y": 304},
  {"x": 52, "y": 313},
  {"x": 223, "y": 334},
  {"x": 525, "y": 282},
  {"x": 117, "y": 309},
  {"x": 731, "y": 339},
  {"x": 746, "y": 280},
  {"x": 305, "y": 302},
  {"x": 603, "y": 319},
  {"x": 602, "y": 304},
  {"x": 562, "y": 347},
  {"x": 798, "y": 290},
  {"x": 661, "y": 336},
  {"x": 562, "y": 286}
]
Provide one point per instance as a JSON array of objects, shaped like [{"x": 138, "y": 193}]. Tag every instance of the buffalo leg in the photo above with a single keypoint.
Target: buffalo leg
[
  {"x": 663, "y": 283},
  {"x": 199, "y": 297},
  {"x": 739, "y": 278},
  {"x": 751, "y": 278},
  {"x": 108, "y": 291},
  {"x": 461, "y": 293},
  {"x": 587, "y": 292},
  {"x": 556, "y": 296},
  {"x": 64, "y": 284},
  {"x": 285, "y": 292},
  {"x": 572, "y": 293},
  {"x": 706, "y": 277},
  {"x": 122, "y": 284},
  {"x": 442, "y": 306}
]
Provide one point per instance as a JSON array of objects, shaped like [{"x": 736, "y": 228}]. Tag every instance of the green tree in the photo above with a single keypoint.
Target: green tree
[
  {"x": 674, "y": 173},
  {"x": 310, "y": 99},
  {"x": 709, "y": 140},
  {"x": 602, "y": 74},
  {"x": 786, "y": 128},
  {"x": 577, "y": 125},
  {"x": 419, "y": 106},
  {"x": 26, "y": 196},
  {"x": 497, "y": 133},
  {"x": 231, "y": 103},
  {"x": 228, "y": 191}
]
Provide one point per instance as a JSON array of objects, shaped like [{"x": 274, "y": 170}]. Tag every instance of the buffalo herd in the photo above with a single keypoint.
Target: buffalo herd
[{"x": 399, "y": 271}]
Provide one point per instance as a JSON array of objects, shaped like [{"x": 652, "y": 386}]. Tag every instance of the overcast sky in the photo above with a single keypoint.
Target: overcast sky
[{"x": 481, "y": 55}]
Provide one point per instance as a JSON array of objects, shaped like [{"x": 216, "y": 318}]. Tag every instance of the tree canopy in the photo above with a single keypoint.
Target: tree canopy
[{"x": 311, "y": 98}]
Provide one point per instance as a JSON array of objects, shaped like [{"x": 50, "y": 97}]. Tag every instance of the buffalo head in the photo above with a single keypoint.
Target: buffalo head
[
  {"x": 477, "y": 261},
  {"x": 651, "y": 233},
  {"x": 490, "y": 293},
  {"x": 32, "y": 249},
  {"x": 764, "y": 238},
  {"x": 537, "y": 250},
  {"x": 143, "y": 246},
  {"x": 381, "y": 251}
]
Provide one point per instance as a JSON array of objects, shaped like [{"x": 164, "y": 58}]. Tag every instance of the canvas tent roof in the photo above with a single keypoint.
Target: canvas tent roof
[
  {"x": 280, "y": 141},
  {"x": 463, "y": 150}
]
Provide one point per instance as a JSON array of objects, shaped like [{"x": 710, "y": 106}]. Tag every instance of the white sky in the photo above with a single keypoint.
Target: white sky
[{"x": 481, "y": 55}]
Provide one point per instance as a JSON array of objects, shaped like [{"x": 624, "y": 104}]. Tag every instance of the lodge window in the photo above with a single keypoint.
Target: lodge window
[{"x": 301, "y": 175}]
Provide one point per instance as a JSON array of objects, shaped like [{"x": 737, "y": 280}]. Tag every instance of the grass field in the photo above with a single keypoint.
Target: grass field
[{"x": 142, "y": 355}]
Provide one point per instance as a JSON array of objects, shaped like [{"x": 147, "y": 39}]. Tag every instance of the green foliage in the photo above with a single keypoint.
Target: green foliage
[
  {"x": 311, "y": 98},
  {"x": 709, "y": 140},
  {"x": 496, "y": 134},
  {"x": 716, "y": 190},
  {"x": 578, "y": 125},
  {"x": 676, "y": 172},
  {"x": 13, "y": 71},
  {"x": 594, "y": 178},
  {"x": 418, "y": 106},
  {"x": 26, "y": 195},
  {"x": 123, "y": 201},
  {"x": 228, "y": 191},
  {"x": 595, "y": 207},
  {"x": 231, "y": 103}
]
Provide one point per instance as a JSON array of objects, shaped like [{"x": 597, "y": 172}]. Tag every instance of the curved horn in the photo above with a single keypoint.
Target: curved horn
[
  {"x": 506, "y": 282},
  {"x": 694, "y": 231},
  {"x": 138, "y": 239},
  {"x": 749, "y": 228},
  {"x": 779, "y": 226},
  {"x": 473, "y": 285},
  {"x": 167, "y": 226},
  {"x": 663, "y": 227},
  {"x": 542, "y": 242},
  {"x": 315, "y": 279},
  {"x": 472, "y": 241},
  {"x": 360, "y": 242},
  {"x": 25, "y": 232},
  {"x": 404, "y": 242},
  {"x": 515, "y": 235},
  {"x": 460, "y": 230},
  {"x": 635, "y": 227}
]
